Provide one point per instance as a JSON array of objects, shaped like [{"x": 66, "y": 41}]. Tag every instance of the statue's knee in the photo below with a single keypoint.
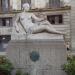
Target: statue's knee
[{"x": 47, "y": 27}]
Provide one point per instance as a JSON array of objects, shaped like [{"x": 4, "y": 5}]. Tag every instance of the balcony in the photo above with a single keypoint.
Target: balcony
[
  {"x": 5, "y": 30},
  {"x": 41, "y": 10},
  {"x": 51, "y": 9}
]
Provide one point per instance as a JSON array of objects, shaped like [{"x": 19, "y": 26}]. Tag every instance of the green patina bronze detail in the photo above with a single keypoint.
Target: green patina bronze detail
[{"x": 34, "y": 56}]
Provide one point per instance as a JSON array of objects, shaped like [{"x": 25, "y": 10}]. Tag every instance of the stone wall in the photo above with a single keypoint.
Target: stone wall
[{"x": 73, "y": 24}]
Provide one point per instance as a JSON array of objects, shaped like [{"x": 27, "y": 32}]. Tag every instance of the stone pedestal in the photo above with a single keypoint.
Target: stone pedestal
[{"x": 52, "y": 54}]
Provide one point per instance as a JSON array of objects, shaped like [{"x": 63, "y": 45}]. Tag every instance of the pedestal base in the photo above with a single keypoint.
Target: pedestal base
[{"x": 52, "y": 55}]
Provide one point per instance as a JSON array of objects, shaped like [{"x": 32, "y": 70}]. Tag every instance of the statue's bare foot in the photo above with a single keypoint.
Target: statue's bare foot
[{"x": 62, "y": 33}]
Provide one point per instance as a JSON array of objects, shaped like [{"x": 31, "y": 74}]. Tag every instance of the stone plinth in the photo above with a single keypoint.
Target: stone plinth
[{"x": 52, "y": 55}]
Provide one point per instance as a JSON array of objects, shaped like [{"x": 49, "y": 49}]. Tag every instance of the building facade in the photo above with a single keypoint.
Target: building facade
[{"x": 73, "y": 25}]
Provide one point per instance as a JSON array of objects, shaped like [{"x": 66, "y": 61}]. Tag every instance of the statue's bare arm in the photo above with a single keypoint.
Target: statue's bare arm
[
  {"x": 37, "y": 19},
  {"x": 17, "y": 21}
]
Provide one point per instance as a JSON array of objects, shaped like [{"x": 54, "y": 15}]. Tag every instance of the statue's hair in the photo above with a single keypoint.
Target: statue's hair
[{"x": 25, "y": 5}]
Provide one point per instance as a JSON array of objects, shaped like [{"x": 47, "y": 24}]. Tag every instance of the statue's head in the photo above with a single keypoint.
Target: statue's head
[{"x": 26, "y": 7}]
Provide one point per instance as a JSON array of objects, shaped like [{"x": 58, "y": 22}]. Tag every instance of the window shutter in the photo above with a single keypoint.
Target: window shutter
[
  {"x": 54, "y": 3},
  {"x": 5, "y": 5}
]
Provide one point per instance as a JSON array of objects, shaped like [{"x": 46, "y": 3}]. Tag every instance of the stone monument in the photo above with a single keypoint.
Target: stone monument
[{"x": 37, "y": 48}]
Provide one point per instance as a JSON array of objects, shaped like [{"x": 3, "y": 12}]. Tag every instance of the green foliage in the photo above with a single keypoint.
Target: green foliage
[
  {"x": 5, "y": 66},
  {"x": 26, "y": 73},
  {"x": 19, "y": 72},
  {"x": 69, "y": 67}
]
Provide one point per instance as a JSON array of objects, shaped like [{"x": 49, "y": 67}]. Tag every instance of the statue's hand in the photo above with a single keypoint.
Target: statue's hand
[{"x": 17, "y": 28}]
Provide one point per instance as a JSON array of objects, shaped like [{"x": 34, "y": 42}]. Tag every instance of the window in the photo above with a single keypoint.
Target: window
[
  {"x": 39, "y": 4},
  {"x": 16, "y": 4},
  {"x": 55, "y": 19},
  {"x": 4, "y": 39},
  {"x": 5, "y": 21},
  {"x": 54, "y": 3},
  {"x": 4, "y": 5}
]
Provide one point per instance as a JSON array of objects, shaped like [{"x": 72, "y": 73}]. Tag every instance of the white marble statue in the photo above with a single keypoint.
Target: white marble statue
[{"x": 25, "y": 19}]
